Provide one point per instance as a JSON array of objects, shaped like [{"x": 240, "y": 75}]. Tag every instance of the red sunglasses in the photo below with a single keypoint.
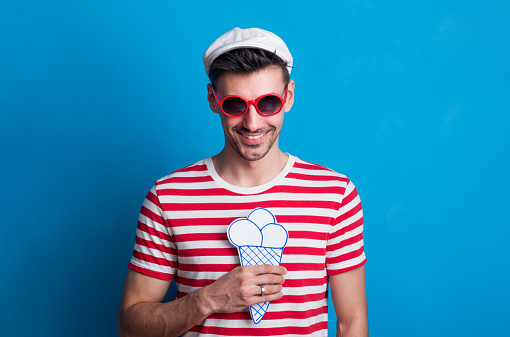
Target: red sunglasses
[{"x": 266, "y": 105}]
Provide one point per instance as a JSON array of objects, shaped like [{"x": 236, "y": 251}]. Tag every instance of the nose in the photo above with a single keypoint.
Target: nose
[{"x": 252, "y": 120}]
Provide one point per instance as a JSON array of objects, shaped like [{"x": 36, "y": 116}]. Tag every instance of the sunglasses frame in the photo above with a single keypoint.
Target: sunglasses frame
[{"x": 254, "y": 103}]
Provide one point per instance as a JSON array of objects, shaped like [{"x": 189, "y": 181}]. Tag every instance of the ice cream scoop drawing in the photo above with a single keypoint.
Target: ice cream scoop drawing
[{"x": 259, "y": 240}]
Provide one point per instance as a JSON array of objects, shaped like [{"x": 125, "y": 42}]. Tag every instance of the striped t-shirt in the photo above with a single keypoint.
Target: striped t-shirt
[{"x": 182, "y": 235}]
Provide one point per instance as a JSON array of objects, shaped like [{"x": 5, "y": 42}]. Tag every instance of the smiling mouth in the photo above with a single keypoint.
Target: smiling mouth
[{"x": 253, "y": 137}]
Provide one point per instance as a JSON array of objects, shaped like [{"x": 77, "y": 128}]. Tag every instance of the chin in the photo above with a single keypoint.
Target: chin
[{"x": 251, "y": 156}]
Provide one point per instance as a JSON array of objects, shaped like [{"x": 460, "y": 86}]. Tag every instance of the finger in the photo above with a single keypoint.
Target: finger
[
  {"x": 268, "y": 279},
  {"x": 266, "y": 298},
  {"x": 270, "y": 289},
  {"x": 268, "y": 269}
]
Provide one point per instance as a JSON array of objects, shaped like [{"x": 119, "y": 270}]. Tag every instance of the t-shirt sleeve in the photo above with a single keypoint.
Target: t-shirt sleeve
[
  {"x": 345, "y": 249},
  {"x": 155, "y": 253}
]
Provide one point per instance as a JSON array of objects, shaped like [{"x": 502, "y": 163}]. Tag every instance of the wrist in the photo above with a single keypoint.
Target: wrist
[{"x": 203, "y": 301}]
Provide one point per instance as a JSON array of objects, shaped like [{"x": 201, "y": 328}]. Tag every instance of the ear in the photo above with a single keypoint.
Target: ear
[
  {"x": 290, "y": 96},
  {"x": 212, "y": 99}
]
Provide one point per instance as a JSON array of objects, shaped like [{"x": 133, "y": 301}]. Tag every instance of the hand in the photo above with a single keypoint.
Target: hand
[{"x": 240, "y": 288}]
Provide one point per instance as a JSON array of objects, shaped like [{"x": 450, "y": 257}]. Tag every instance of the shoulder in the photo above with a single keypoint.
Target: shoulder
[
  {"x": 190, "y": 173},
  {"x": 311, "y": 171}
]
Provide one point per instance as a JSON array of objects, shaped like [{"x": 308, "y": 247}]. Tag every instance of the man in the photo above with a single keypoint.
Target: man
[{"x": 182, "y": 228}]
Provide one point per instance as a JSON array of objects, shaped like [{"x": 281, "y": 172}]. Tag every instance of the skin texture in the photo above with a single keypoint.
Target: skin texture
[
  {"x": 246, "y": 163},
  {"x": 350, "y": 302}
]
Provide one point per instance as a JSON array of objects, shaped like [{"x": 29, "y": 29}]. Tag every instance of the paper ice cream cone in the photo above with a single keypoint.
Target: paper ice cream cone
[
  {"x": 254, "y": 256},
  {"x": 259, "y": 240}
]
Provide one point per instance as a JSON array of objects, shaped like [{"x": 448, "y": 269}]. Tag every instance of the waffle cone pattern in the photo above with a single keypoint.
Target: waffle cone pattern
[{"x": 254, "y": 256}]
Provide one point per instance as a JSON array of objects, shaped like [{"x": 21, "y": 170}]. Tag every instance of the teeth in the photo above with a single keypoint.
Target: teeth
[{"x": 253, "y": 137}]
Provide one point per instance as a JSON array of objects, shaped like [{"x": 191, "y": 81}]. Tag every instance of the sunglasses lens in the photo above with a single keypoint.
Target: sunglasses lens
[
  {"x": 269, "y": 105},
  {"x": 234, "y": 106}
]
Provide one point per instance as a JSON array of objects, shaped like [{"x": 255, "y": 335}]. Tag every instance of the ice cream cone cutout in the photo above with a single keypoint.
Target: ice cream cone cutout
[{"x": 259, "y": 240}]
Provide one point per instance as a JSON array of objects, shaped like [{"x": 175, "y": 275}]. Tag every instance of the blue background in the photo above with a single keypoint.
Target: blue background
[{"x": 408, "y": 98}]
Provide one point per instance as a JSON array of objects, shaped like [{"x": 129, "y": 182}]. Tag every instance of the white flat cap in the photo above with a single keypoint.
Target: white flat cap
[{"x": 247, "y": 38}]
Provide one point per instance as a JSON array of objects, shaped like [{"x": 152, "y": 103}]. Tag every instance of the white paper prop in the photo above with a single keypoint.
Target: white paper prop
[{"x": 259, "y": 240}]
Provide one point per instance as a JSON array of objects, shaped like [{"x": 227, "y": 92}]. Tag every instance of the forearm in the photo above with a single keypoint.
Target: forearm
[
  {"x": 350, "y": 301},
  {"x": 163, "y": 319},
  {"x": 142, "y": 313},
  {"x": 355, "y": 327}
]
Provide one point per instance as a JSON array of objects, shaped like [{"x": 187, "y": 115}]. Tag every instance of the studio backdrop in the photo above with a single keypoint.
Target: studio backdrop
[{"x": 98, "y": 99}]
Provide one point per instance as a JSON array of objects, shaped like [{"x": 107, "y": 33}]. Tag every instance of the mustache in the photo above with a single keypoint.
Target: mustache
[{"x": 246, "y": 131}]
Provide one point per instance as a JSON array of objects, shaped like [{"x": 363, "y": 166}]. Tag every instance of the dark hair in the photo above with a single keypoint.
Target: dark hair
[{"x": 246, "y": 61}]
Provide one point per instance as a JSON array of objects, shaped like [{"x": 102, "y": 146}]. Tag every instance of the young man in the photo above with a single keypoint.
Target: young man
[{"x": 182, "y": 228}]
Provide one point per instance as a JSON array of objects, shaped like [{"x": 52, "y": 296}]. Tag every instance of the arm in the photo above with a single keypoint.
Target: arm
[
  {"x": 142, "y": 313},
  {"x": 350, "y": 302}
]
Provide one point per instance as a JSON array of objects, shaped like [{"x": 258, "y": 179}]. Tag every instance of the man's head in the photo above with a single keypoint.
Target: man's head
[{"x": 249, "y": 67}]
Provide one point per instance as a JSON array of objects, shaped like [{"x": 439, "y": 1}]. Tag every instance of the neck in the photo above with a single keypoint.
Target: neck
[{"x": 244, "y": 173}]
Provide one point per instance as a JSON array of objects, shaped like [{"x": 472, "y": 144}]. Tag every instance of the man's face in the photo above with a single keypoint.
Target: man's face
[{"x": 252, "y": 135}]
